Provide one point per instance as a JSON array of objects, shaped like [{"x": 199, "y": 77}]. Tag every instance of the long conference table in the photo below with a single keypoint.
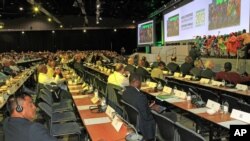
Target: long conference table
[
  {"x": 14, "y": 84},
  {"x": 100, "y": 129},
  {"x": 219, "y": 119}
]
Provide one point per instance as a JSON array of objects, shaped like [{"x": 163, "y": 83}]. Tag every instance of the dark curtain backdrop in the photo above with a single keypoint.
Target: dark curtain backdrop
[{"x": 69, "y": 40}]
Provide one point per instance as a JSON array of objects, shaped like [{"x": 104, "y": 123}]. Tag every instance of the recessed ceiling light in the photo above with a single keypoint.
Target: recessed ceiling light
[
  {"x": 53, "y": 31},
  {"x": 49, "y": 19},
  {"x": 21, "y": 8},
  {"x": 61, "y": 26},
  {"x": 23, "y": 32},
  {"x": 115, "y": 30}
]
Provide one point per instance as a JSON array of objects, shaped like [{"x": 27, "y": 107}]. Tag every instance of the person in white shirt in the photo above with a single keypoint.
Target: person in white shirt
[{"x": 118, "y": 78}]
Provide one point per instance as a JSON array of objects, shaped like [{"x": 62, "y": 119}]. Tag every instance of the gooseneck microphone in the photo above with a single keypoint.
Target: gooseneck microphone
[{"x": 133, "y": 136}]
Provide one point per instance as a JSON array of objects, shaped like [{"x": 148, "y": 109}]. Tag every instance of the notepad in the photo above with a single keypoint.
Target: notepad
[
  {"x": 173, "y": 100},
  {"x": 198, "y": 110},
  {"x": 84, "y": 107},
  {"x": 79, "y": 96},
  {"x": 92, "y": 121},
  {"x": 232, "y": 122}
]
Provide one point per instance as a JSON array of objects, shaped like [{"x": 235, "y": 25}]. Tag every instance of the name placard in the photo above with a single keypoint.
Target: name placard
[
  {"x": 180, "y": 94},
  {"x": 216, "y": 83},
  {"x": 213, "y": 105},
  {"x": 241, "y": 87},
  {"x": 188, "y": 77},
  {"x": 204, "y": 81},
  {"x": 110, "y": 111},
  {"x": 240, "y": 115},
  {"x": 167, "y": 90},
  {"x": 117, "y": 123},
  {"x": 177, "y": 74},
  {"x": 94, "y": 100}
]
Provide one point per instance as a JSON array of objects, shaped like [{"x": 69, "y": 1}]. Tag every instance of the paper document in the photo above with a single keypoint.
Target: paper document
[
  {"x": 232, "y": 122},
  {"x": 79, "y": 96},
  {"x": 84, "y": 107},
  {"x": 92, "y": 121},
  {"x": 198, "y": 110},
  {"x": 174, "y": 100},
  {"x": 74, "y": 91}
]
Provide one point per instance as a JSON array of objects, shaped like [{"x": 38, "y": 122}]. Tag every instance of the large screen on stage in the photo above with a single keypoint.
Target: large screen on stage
[
  {"x": 145, "y": 33},
  {"x": 206, "y": 17}
]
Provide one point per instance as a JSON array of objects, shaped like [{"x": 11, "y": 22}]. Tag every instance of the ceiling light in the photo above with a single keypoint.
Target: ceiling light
[
  {"x": 36, "y": 9},
  {"x": 97, "y": 22},
  {"x": 61, "y": 26},
  {"x": 100, "y": 18},
  {"x": 49, "y": 19},
  {"x": 84, "y": 30},
  {"x": 133, "y": 21},
  {"x": 21, "y": 8},
  {"x": 115, "y": 30},
  {"x": 1, "y": 26},
  {"x": 53, "y": 31},
  {"x": 23, "y": 32}
]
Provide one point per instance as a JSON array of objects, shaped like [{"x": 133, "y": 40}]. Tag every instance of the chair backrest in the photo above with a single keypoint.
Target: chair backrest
[
  {"x": 244, "y": 106},
  {"x": 132, "y": 113},
  {"x": 45, "y": 108},
  {"x": 232, "y": 101},
  {"x": 186, "y": 134},
  {"x": 165, "y": 128},
  {"x": 111, "y": 92},
  {"x": 46, "y": 96},
  {"x": 207, "y": 94}
]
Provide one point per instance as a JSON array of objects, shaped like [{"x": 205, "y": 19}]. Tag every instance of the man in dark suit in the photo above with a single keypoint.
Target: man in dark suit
[
  {"x": 142, "y": 70},
  {"x": 172, "y": 66},
  {"x": 20, "y": 126},
  {"x": 133, "y": 96},
  {"x": 156, "y": 63},
  {"x": 130, "y": 67},
  {"x": 194, "y": 53},
  {"x": 187, "y": 66}
]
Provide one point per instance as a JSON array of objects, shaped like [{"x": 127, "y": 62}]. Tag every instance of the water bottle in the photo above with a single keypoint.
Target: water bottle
[
  {"x": 159, "y": 86},
  {"x": 188, "y": 96},
  {"x": 225, "y": 107},
  {"x": 174, "y": 89},
  {"x": 96, "y": 93},
  {"x": 223, "y": 82}
]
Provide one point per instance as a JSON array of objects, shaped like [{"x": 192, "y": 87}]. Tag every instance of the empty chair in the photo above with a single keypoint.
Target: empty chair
[
  {"x": 232, "y": 101},
  {"x": 244, "y": 106},
  {"x": 112, "y": 97},
  {"x": 207, "y": 94},
  {"x": 165, "y": 128},
  {"x": 56, "y": 117},
  {"x": 186, "y": 134},
  {"x": 57, "y": 107}
]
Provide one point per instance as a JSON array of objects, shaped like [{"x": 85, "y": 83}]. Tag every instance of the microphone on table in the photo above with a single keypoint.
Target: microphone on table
[
  {"x": 196, "y": 99},
  {"x": 133, "y": 136}
]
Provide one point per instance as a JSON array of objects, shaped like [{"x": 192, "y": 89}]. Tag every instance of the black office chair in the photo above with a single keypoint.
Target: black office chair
[
  {"x": 165, "y": 128},
  {"x": 232, "y": 101},
  {"x": 207, "y": 94},
  {"x": 112, "y": 98},
  {"x": 244, "y": 106},
  {"x": 56, "y": 116},
  {"x": 57, "y": 107},
  {"x": 173, "y": 84},
  {"x": 132, "y": 114},
  {"x": 186, "y": 134}
]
